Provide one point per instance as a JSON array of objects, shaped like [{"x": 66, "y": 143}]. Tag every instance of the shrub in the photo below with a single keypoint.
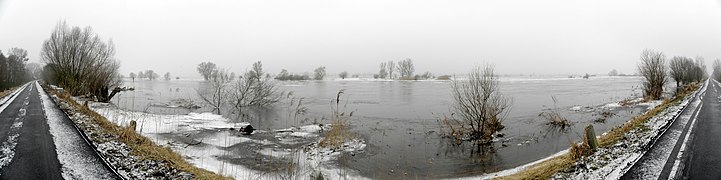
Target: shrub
[{"x": 479, "y": 105}]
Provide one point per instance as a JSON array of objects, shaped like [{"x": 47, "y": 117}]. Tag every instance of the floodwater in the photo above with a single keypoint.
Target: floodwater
[{"x": 399, "y": 119}]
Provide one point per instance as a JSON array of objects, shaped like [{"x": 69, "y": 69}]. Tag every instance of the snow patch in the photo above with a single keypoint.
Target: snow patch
[{"x": 76, "y": 162}]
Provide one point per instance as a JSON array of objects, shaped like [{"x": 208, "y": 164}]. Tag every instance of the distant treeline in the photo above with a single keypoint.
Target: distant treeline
[{"x": 13, "y": 69}]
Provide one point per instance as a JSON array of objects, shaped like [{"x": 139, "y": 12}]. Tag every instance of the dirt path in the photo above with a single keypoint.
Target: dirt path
[{"x": 29, "y": 149}]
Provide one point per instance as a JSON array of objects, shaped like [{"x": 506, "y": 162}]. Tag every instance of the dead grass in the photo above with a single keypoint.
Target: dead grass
[
  {"x": 546, "y": 169},
  {"x": 337, "y": 135},
  {"x": 141, "y": 146},
  {"x": 7, "y": 92},
  {"x": 340, "y": 127}
]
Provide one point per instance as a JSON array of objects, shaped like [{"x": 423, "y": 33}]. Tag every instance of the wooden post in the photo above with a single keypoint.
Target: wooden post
[
  {"x": 591, "y": 138},
  {"x": 133, "y": 125}
]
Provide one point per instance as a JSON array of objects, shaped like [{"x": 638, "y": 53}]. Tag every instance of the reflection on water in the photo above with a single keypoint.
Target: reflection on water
[{"x": 398, "y": 119}]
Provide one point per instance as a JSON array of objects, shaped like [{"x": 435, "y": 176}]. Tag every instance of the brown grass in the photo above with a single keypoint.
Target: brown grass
[
  {"x": 7, "y": 92},
  {"x": 140, "y": 145},
  {"x": 546, "y": 169},
  {"x": 337, "y": 135}
]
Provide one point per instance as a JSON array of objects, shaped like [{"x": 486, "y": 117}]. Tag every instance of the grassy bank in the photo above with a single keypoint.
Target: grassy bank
[
  {"x": 141, "y": 146},
  {"x": 546, "y": 169}
]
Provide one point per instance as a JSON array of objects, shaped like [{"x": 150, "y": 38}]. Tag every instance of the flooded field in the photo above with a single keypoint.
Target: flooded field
[{"x": 399, "y": 120}]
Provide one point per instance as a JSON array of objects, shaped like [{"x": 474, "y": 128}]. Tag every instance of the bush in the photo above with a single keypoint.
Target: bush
[{"x": 479, "y": 105}]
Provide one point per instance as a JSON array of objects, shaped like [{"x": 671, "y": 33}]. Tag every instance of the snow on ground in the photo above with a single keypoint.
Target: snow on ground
[
  {"x": 7, "y": 148},
  {"x": 75, "y": 164},
  {"x": 513, "y": 170},
  {"x": 608, "y": 163},
  {"x": 210, "y": 141},
  {"x": 116, "y": 153},
  {"x": 612, "y": 162}
]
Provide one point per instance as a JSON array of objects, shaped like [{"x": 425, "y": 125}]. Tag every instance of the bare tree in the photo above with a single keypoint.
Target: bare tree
[
  {"x": 613, "y": 72},
  {"x": 81, "y": 62},
  {"x": 406, "y": 68},
  {"x": 167, "y": 76},
  {"x": 151, "y": 75},
  {"x": 215, "y": 95},
  {"x": 343, "y": 74},
  {"x": 206, "y": 69},
  {"x": 17, "y": 58},
  {"x": 13, "y": 70},
  {"x": 391, "y": 67},
  {"x": 677, "y": 69},
  {"x": 35, "y": 70},
  {"x": 253, "y": 90},
  {"x": 256, "y": 72},
  {"x": 319, "y": 73},
  {"x": 653, "y": 70},
  {"x": 480, "y": 104},
  {"x": 717, "y": 69},
  {"x": 383, "y": 73}
]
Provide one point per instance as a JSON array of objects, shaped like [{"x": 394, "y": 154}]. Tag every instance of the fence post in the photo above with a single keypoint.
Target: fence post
[{"x": 591, "y": 137}]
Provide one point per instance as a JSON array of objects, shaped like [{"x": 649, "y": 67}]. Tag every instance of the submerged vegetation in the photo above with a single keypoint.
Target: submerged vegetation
[
  {"x": 480, "y": 107},
  {"x": 554, "y": 117},
  {"x": 547, "y": 168},
  {"x": 255, "y": 89}
]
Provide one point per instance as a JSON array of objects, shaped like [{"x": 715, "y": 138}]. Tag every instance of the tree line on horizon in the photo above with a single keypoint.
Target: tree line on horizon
[{"x": 15, "y": 69}]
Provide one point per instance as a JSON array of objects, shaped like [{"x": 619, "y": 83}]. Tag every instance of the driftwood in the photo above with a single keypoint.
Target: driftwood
[{"x": 116, "y": 90}]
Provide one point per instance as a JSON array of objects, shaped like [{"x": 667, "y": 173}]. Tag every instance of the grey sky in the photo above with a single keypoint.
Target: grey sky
[{"x": 444, "y": 37}]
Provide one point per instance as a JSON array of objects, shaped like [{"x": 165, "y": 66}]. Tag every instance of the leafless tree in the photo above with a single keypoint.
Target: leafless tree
[
  {"x": 253, "y": 90},
  {"x": 613, "y": 73},
  {"x": 383, "y": 73},
  {"x": 653, "y": 69},
  {"x": 132, "y": 76},
  {"x": 319, "y": 73},
  {"x": 151, "y": 75},
  {"x": 717, "y": 69},
  {"x": 167, "y": 76},
  {"x": 677, "y": 68},
  {"x": 685, "y": 70},
  {"x": 406, "y": 68},
  {"x": 215, "y": 95},
  {"x": 17, "y": 58},
  {"x": 480, "y": 104},
  {"x": 256, "y": 72},
  {"x": 81, "y": 62},
  {"x": 35, "y": 69},
  {"x": 206, "y": 69},
  {"x": 343, "y": 74},
  {"x": 391, "y": 67}
]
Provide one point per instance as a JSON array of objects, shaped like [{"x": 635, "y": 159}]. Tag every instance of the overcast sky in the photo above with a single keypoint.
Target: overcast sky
[{"x": 444, "y": 36}]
